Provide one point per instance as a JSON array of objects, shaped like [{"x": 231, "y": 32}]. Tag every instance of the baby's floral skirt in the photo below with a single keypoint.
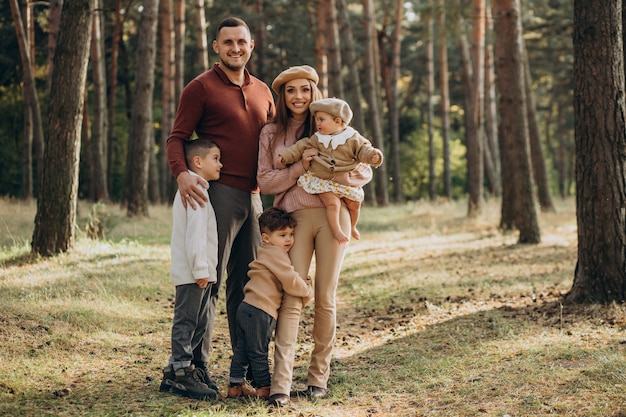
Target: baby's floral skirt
[{"x": 315, "y": 185}]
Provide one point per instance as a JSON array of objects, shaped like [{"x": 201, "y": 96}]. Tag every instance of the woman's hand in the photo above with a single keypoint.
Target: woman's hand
[
  {"x": 279, "y": 163},
  {"x": 190, "y": 193}
]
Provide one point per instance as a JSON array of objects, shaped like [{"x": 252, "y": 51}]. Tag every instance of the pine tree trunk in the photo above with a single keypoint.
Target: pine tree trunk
[
  {"x": 445, "y": 98},
  {"x": 115, "y": 46},
  {"x": 179, "y": 47},
  {"x": 430, "y": 113},
  {"x": 260, "y": 48},
  {"x": 353, "y": 82},
  {"x": 393, "y": 102},
  {"x": 31, "y": 101},
  {"x": 321, "y": 57},
  {"x": 100, "y": 126},
  {"x": 380, "y": 174},
  {"x": 519, "y": 195},
  {"x": 141, "y": 131},
  {"x": 202, "y": 43},
  {"x": 333, "y": 52},
  {"x": 55, "y": 221},
  {"x": 540, "y": 173},
  {"x": 54, "y": 19},
  {"x": 168, "y": 101},
  {"x": 599, "y": 110},
  {"x": 475, "y": 163},
  {"x": 493, "y": 170}
]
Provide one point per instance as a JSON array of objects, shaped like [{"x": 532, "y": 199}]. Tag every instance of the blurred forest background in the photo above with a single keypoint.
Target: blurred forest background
[{"x": 419, "y": 74}]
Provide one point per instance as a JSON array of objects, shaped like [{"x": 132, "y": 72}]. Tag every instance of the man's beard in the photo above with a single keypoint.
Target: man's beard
[{"x": 234, "y": 67}]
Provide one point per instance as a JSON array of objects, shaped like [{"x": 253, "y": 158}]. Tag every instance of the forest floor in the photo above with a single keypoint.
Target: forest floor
[{"x": 438, "y": 315}]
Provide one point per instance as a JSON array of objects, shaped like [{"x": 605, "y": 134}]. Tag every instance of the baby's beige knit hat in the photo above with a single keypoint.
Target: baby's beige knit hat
[{"x": 333, "y": 106}]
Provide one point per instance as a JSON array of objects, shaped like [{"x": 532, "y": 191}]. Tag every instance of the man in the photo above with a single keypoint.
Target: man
[{"x": 229, "y": 106}]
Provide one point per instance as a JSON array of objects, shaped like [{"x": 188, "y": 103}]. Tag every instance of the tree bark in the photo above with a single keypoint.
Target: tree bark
[
  {"x": 54, "y": 19},
  {"x": 493, "y": 170},
  {"x": 168, "y": 101},
  {"x": 333, "y": 52},
  {"x": 599, "y": 108},
  {"x": 202, "y": 43},
  {"x": 540, "y": 173},
  {"x": 321, "y": 57},
  {"x": 380, "y": 174},
  {"x": 518, "y": 195},
  {"x": 259, "y": 55},
  {"x": 430, "y": 113},
  {"x": 115, "y": 47},
  {"x": 353, "y": 82},
  {"x": 141, "y": 131},
  {"x": 100, "y": 125},
  {"x": 445, "y": 98},
  {"x": 31, "y": 101},
  {"x": 179, "y": 46},
  {"x": 55, "y": 221},
  {"x": 393, "y": 101},
  {"x": 475, "y": 163},
  {"x": 27, "y": 145}
]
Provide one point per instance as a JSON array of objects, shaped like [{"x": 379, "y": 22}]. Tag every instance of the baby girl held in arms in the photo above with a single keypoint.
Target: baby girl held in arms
[{"x": 340, "y": 149}]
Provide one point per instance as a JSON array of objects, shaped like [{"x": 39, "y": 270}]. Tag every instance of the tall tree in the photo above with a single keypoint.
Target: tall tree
[
  {"x": 27, "y": 134},
  {"x": 599, "y": 108},
  {"x": 116, "y": 38},
  {"x": 54, "y": 19},
  {"x": 493, "y": 170},
  {"x": 442, "y": 46},
  {"x": 141, "y": 130},
  {"x": 371, "y": 86},
  {"x": 31, "y": 101},
  {"x": 349, "y": 60},
  {"x": 55, "y": 221},
  {"x": 202, "y": 42},
  {"x": 475, "y": 140},
  {"x": 321, "y": 57},
  {"x": 518, "y": 196},
  {"x": 100, "y": 125},
  {"x": 540, "y": 173},
  {"x": 430, "y": 112},
  {"x": 168, "y": 101},
  {"x": 333, "y": 51},
  {"x": 259, "y": 39},
  {"x": 179, "y": 46},
  {"x": 393, "y": 99}
]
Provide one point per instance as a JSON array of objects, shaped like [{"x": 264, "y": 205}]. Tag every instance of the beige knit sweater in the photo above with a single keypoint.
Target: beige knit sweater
[{"x": 270, "y": 274}]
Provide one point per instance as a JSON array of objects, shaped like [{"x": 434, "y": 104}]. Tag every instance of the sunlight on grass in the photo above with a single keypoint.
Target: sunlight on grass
[{"x": 438, "y": 315}]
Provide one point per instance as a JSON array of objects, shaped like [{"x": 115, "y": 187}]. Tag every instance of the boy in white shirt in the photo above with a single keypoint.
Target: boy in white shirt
[{"x": 193, "y": 270}]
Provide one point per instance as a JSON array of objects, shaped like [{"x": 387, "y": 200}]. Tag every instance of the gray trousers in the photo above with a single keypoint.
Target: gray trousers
[
  {"x": 254, "y": 331},
  {"x": 190, "y": 323},
  {"x": 238, "y": 234}
]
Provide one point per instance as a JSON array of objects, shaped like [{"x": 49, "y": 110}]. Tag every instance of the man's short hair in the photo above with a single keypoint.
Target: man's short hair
[{"x": 231, "y": 22}]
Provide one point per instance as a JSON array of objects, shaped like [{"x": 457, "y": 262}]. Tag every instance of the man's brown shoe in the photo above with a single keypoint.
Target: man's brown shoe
[{"x": 279, "y": 400}]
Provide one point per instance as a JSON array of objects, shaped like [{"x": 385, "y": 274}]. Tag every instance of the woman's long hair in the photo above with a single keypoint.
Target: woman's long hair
[{"x": 283, "y": 114}]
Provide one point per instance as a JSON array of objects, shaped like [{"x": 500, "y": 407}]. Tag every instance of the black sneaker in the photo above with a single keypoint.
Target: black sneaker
[
  {"x": 168, "y": 379},
  {"x": 205, "y": 376},
  {"x": 188, "y": 383}
]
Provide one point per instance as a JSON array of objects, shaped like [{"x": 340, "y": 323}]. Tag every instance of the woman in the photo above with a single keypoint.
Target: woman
[{"x": 297, "y": 88}]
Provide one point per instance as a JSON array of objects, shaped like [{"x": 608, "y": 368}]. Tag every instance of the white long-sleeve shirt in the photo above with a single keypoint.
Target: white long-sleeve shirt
[{"x": 194, "y": 242}]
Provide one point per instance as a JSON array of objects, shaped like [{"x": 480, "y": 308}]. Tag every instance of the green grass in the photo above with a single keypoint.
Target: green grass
[{"x": 438, "y": 315}]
